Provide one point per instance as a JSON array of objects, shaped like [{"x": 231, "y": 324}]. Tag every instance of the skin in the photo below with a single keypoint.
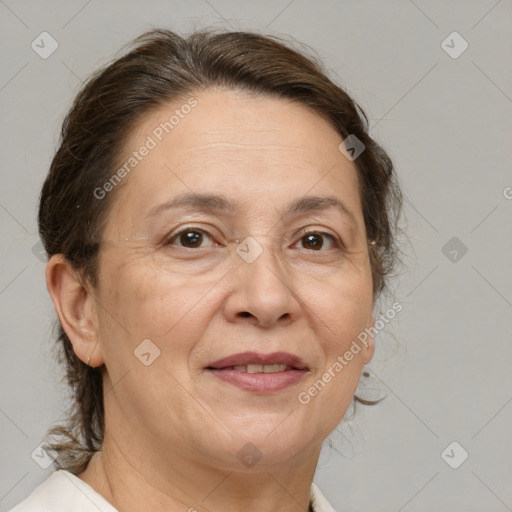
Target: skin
[{"x": 172, "y": 429}]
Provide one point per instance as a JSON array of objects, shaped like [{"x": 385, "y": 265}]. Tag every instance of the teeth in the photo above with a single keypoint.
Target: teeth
[{"x": 261, "y": 368}]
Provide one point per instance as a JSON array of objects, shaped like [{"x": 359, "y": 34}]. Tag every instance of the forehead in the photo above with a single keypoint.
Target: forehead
[
  {"x": 247, "y": 146},
  {"x": 240, "y": 120}
]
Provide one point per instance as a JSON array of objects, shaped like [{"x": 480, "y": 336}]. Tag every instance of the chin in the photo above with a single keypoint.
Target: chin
[{"x": 244, "y": 455}]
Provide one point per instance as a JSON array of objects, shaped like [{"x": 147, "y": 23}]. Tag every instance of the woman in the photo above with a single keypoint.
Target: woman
[{"x": 219, "y": 225}]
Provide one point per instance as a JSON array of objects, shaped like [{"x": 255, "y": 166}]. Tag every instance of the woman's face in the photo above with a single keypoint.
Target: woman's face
[{"x": 178, "y": 294}]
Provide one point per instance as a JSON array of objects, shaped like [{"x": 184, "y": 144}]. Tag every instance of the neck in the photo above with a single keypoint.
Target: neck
[{"x": 131, "y": 480}]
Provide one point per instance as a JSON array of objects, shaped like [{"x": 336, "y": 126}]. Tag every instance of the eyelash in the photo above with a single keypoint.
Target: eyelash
[{"x": 302, "y": 234}]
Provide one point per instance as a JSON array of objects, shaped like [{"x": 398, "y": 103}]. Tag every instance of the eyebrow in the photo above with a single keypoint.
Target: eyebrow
[{"x": 218, "y": 202}]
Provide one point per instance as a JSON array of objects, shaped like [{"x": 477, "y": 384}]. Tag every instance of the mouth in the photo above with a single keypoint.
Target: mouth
[
  {"x": 257, "y": 372},
  {"x": 260, "y": 368}
]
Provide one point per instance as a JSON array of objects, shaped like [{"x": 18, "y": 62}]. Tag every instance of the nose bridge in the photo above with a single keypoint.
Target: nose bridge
[
  {"x": 264, "y": 286},
  {"x": 261, "y": 254}
]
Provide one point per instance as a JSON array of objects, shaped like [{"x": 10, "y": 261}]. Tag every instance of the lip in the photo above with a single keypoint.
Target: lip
[
  {"x": 259, "y": 382},
  {"x": 243, "y": 358}
]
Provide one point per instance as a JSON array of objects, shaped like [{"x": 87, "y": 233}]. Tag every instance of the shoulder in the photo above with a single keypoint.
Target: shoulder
[
  {"x": 320, "y": 503},
  {"x": 62, "y": 491}
]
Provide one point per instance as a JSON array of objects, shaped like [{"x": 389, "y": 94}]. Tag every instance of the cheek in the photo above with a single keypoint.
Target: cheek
[
  {"x": 169, "y": 309},
  {"x": 341, "y": 311},
  {"x": 340, "y": 318},
  {"x": 170, "y": 312},
  {"x": 150, "y": 303},
  {"x": 341, "y": 307}
]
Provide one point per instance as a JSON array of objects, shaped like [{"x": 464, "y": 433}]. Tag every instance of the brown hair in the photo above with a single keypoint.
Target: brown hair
[{"x": 163, "y": 67}]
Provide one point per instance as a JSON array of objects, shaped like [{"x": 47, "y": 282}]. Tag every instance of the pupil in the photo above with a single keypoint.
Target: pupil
[
  {"x": 191, "y": 238},
  {"x": 314, "y": 241}
]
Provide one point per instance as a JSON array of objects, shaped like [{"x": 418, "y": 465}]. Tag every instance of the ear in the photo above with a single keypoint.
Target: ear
[
  {"x": 369, "y": 348},
  {"x": 76, "y": 308}
]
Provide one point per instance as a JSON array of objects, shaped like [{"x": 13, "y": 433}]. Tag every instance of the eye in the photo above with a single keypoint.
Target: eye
[
  {"x": 193, "y": 238},
  {"x": 314, "y": 240},
  {"x": 189, "y": 238}
]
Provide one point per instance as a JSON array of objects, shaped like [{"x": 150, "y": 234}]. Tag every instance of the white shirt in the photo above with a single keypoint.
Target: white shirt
[{"x": 62, "y": 491}]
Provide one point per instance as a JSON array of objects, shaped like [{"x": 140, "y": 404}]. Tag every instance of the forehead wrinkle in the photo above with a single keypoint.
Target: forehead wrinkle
[
  {"x": 223, "y": 155},
  {"x": 228, "y": 145}
]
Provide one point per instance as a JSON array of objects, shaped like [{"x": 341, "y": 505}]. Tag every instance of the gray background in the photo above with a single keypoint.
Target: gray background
[{"x": 445, "y": 360}]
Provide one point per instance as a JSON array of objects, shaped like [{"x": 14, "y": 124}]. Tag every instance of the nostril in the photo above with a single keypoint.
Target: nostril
[{"x": 245, "y": 313}]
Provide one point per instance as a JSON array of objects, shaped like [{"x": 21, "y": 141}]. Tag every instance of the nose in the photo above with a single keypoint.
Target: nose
[{"x": 262, "y": 292}]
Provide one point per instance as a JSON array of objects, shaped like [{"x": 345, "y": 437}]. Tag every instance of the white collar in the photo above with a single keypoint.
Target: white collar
[{"x": 320, "y": 503}]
